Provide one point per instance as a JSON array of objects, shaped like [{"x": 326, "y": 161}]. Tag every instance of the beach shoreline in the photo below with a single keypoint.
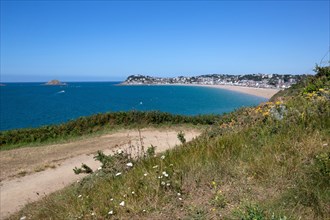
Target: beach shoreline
[{"x": 260, "y": 92}]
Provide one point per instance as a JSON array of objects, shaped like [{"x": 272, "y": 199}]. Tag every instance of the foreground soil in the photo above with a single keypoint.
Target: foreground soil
[{"x": 28, "y": 174}]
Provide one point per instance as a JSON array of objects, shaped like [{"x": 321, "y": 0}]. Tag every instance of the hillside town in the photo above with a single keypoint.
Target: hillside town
[{"x": 249, "y": 80}]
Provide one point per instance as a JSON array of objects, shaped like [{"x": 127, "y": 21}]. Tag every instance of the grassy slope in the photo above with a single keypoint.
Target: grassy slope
[{"x": 269, "y": 162}]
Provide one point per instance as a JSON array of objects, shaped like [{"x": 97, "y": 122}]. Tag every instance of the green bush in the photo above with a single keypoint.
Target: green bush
[
  {"x": 181, "y": 137},
  {"x": 90, "y": 124}
]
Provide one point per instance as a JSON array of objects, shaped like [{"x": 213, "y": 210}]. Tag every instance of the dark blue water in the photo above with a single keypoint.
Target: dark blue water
[{"x": 32, "y": 104}]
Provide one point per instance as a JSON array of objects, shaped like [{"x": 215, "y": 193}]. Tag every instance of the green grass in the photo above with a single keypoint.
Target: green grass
[
  {"x": 96, "y": 124},
  {"x": 103, "y": 131},
  {"x": 269, "y": 162}
]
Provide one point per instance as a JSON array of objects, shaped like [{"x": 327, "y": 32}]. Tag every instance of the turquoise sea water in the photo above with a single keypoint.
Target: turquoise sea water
[{"x": 32, "y": 104}]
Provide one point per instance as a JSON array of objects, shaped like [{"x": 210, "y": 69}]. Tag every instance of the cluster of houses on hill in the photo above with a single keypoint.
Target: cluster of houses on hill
[{"x": 250, "y": 80}]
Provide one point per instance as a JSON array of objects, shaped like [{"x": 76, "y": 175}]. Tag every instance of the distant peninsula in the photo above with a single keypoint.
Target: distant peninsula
[
  {"x": 55, "y": 82},
  {"x": 272, "y": 81}
]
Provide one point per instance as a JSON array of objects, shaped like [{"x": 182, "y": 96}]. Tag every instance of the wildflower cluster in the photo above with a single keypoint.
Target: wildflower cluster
[
  {"x": 115, "y": 164},
  {"x": 218, "y": 200},
  {"x": 322, "y": 94},
  {"x": 244, "y": 116},
  {"x": 230, "y": 124},
  {"x": 166, "y": 175},
  {"x": 276, "y": 110},
  {"x": 160, "y": 178}
]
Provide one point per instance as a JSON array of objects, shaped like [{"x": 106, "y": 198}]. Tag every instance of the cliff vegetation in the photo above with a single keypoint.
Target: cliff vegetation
[{"x": 267, "y": 162}]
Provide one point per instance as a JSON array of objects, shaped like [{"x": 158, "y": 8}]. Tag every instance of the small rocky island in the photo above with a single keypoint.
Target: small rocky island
[{"x": 55, "y": 82}]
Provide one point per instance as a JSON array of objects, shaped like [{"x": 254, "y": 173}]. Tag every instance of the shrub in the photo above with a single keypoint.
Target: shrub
[
  {"x": 181, "y": 137},
  {"x": 151, "y": 151},
  {"x": 90, "y": 124},
  {"x": 83, "y": 169}
]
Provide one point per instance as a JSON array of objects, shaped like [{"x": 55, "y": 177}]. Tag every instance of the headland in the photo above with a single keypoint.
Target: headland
[{"x": 262, "y": 85}]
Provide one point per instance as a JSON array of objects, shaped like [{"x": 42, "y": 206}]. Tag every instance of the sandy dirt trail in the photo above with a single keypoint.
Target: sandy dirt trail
[{"x": 49, "y": 168}]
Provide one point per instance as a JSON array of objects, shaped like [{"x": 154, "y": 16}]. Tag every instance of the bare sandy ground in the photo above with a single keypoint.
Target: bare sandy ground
[
  {"x": 50, "y": 168},
  {"x": 261, "y": 92}
]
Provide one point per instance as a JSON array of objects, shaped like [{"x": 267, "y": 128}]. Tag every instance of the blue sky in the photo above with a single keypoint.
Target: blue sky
[{"x": 109, "y": 40}]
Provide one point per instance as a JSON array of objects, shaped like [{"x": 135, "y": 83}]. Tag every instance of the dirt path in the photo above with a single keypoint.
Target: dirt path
[{"x": 47, "y": 169}]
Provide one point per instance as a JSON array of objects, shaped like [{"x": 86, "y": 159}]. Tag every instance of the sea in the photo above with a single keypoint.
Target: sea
[{"x": 28, "y": 105}]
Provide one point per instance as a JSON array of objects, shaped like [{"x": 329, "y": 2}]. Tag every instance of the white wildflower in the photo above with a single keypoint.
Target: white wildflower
[
  {"x": 133, "y": 192},
  {"x": 110, "y": 212},
  {"x": 163, "y": 183},
  {"x": 162, "y": 157},
  {"x": 168, "y": 184},
  {"x": 180, "y": 198},
  {"x": 111, "y": 199},
  {"x": 171, "y": 165},
  {"x": 179, "y": 194},
  {"x": 100, "y": 168},
  {"x": 155, "y": 166},
  {"x": 145, "y": 174},
  {"x": 93, "y": 213},
  {"x": 165, "y": 174},
  {"x": 79, "y": 196},
  {"x": 159, "y": 177},
  {"x": 129, "y": 164},
  {"x": 118, "y": 174},
  {"x": 23, "y": 218},
  {"x": 122, "y": 203},
  {"x": 143, "y": 210},
  {"x": 120, "y": 151}
]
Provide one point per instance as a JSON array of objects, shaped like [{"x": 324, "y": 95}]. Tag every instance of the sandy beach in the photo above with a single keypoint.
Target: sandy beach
[{"x": 261, "y": 92}]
